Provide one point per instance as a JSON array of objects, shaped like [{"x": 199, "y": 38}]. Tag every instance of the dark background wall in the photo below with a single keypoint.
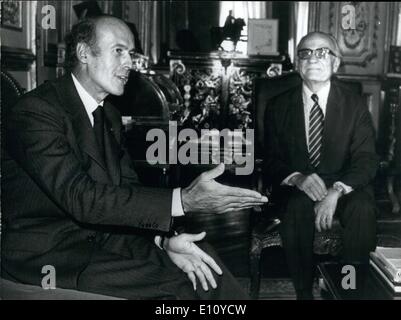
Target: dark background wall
[
  {"x": 197, "y": 17},
  {"x": 281, "y": 11},
  {"x": 202, "y": 16}
]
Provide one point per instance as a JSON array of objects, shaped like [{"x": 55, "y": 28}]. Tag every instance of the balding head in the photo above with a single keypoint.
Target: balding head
[
  {"x": 88, "y": 31},
  {"x": 104, "y": 48},
  {"x": 332, "y": 43},
  {"x": 318, "y": 58},
  {"x": 105, "y": 23}
]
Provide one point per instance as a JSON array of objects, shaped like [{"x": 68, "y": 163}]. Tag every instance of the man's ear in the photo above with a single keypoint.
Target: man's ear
[
  {"x": 336, "y": 64},
  {"x": 82, "y": 52}
]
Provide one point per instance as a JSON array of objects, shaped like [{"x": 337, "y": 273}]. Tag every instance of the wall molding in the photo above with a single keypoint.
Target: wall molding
[{"x": 359, "y": 46}]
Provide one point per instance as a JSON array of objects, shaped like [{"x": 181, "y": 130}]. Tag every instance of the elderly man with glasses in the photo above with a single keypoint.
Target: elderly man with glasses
[{"x": 321, "y": 157}]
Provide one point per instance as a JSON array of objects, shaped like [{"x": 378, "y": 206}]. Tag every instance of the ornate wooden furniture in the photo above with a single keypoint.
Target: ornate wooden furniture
[
  {"x": 217, "y": 86},
  {"x": 150, "y": 101},
  {"x": 217, "y": 91}
]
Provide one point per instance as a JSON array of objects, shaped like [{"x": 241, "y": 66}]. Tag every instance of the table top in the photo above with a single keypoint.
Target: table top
[{"x": 361, "y": 283}]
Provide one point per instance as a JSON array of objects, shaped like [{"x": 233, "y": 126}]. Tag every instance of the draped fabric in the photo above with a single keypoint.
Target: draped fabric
[
  {"x": 299, "y": 25},
  {"x": 149, "y": 28}
]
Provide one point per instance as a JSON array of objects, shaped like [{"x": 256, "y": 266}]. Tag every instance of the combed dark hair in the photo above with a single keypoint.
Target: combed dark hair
[{"x": 84, "y": 31}]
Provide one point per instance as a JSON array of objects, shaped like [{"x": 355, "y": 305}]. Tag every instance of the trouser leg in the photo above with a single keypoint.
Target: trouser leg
[
  {"x": 297, "y": 232},
  {"x": 357, "y": 214},
  {"x": 155, "y": 277},
  {"x": 228, "y": 287}
]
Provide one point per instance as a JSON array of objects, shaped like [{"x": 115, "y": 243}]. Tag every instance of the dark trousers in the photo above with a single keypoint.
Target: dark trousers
[
  {"x": 152, "y": 275},
  {"x": 357, "y": 215}
]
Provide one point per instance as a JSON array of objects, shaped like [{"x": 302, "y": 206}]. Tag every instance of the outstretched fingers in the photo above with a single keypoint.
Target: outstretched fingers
[
  {"x": 241, "y": 192},
  {"x": 192, "y": 278},
  {"x": 209, "y": 276},
  {"x": 201, "y": 276},
  {"x": 208, "y": 260}
]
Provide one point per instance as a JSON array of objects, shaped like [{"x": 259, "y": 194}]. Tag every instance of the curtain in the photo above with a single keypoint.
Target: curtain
[
  {"x": 398, "y": 36},
  {"x": 149, "y": 28},
  {"x": 299, "y": 17}
]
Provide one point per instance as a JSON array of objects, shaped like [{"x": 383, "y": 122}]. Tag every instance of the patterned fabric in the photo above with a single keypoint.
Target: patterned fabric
[{"x": 315, "y": 132}]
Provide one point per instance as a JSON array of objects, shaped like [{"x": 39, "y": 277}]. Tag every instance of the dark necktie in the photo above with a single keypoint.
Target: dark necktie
[
  {"x": 98, "y": 117},
  {"x": 315, "y": 132}
]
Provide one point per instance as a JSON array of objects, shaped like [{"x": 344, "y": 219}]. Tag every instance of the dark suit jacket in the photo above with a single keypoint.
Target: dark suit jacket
[
  {"x": 348, "y": 145},
  {"x": 58, "y": 193}
]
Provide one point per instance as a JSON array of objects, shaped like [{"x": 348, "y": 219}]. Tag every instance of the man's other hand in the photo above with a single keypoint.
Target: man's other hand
[
  {"x": 325, "y": 209},
  {"x": 312, "y": 185},
  {"x": 196, "y": 263},
  {"x": 205, "y": 195}
]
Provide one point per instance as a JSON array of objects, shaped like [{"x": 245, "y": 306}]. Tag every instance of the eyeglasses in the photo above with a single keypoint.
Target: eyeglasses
[{"x": 320, "y": 53}]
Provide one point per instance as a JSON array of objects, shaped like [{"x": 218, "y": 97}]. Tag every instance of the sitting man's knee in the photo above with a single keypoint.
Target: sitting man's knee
[
  {"x": 299, "y": 198},
  {"x": 298, "y": 204},
  {"x": 362, "y": 201}
]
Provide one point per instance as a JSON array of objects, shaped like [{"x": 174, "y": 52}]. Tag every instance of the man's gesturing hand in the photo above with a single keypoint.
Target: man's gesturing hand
[
  {"x": 312, "y": 185},
  {"x": 205, "y": 195},
  {"x": 187, "y": 256}
]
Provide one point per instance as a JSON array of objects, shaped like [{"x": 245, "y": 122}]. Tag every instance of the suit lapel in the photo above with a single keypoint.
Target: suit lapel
[
  {"x": 332, "y": 124},
  {"x": 298, "y": 128},
  {"x": 79, "y": 118},
  {"x": 112, "y": 143}
]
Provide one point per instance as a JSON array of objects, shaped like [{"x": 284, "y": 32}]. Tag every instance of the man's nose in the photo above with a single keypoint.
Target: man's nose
[
  {"x": 313, "y": 58},
  {"x": 127, "y": 61}
]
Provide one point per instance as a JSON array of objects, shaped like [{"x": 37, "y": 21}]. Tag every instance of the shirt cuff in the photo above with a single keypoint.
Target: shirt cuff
[
  {"x": 347, "y": 189},
  {"x": 176, "y": 207},
  {"x": 286, "y": 181},
  {"x": 158, "y": 240}
]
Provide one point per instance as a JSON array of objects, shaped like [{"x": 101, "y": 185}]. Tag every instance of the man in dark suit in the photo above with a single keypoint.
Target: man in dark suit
[
  {"x": 320, "y": 155},
  {"x": 70, "y": 198}
]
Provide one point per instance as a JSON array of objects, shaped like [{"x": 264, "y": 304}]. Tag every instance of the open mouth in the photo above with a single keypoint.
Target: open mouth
[{"x": 123, "y": 79}]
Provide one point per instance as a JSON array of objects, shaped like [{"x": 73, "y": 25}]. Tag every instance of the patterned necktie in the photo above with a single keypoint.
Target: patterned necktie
[
  {"x": 315, "y": 132},
  {"x": 98, "y": 117}
]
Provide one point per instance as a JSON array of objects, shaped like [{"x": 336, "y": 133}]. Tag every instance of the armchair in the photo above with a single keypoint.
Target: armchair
[{"x": 10, "y": 91}]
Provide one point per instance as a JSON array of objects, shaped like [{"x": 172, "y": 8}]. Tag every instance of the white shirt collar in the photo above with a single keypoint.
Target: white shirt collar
[
  {"x": 323, "y": 95},
  {"x": 89, "y": 102}
]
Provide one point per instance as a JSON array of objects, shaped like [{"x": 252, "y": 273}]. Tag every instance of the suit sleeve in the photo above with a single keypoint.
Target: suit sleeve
[
  {"x": 276, "y": 167},
  {"x": 36, "y": 137},
  {"x": 363, "y": 160}
]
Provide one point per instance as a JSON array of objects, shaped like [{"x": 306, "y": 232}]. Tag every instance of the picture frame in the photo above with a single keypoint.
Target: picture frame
[
  {"x": 263, "y": 37},
  {"x": 11, "y": 15}
]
